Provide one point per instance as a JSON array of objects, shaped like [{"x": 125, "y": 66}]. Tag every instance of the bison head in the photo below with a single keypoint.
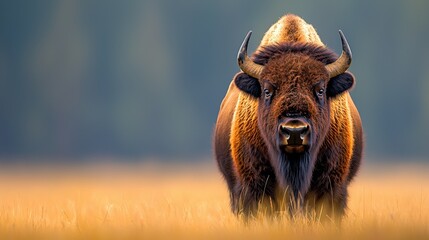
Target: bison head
[{"x": 294, "y": 84}]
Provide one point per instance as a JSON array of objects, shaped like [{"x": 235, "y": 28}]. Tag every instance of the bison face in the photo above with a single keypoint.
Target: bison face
[
  {"x": 294, "y": 89},
  {"x": 293, "y": 110}
]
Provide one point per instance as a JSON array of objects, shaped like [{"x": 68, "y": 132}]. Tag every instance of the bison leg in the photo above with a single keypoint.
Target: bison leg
[
  {"x": 253, "y": 197},
  {"x": 328, "y": 207}
]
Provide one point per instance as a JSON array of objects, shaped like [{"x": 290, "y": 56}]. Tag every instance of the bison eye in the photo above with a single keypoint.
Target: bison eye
[
  {"x": 268, "y": 94},
  {"x": 320, "y": 92}
]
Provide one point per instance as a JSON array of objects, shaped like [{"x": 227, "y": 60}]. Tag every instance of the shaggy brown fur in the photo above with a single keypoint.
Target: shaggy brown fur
[{"x": 246, "y": 143}]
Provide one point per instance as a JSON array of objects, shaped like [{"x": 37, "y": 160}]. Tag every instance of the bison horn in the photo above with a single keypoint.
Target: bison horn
[
  {"x": 245, "y": 63},
  {"x": 343, "y": 62}
]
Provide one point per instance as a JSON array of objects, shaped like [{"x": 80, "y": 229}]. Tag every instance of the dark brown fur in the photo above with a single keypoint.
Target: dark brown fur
[{"x": 256, "y": 170}]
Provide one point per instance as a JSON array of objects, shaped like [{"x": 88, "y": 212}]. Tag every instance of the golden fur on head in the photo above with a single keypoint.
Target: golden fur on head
[{"x": 290, "y": 28}]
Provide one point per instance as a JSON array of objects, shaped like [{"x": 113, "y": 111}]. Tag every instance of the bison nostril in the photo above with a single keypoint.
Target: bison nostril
[
  {"x": 284, "y": 129},
  {"x": 304, "y": 132}
]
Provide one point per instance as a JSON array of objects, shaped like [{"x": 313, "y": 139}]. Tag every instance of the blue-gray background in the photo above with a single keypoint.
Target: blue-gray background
[{"x": 138, "y": 79}]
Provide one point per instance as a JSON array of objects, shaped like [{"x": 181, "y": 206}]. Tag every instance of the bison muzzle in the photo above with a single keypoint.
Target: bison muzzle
[{"x": 288, "y": 135}]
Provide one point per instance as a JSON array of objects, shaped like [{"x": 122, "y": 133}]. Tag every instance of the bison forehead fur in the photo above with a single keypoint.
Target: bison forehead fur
[{"x": 246, "y": 139}]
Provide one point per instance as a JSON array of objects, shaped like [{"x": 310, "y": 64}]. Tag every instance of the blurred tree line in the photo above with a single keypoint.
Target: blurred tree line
[{"x": 145, "y": 78}]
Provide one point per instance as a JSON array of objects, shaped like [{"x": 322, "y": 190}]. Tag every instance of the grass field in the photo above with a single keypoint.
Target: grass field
[{"x": 153, "y": 201}]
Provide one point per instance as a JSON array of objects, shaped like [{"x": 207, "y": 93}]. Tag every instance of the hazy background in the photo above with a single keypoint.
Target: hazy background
[{"x": 144, "y": 79}]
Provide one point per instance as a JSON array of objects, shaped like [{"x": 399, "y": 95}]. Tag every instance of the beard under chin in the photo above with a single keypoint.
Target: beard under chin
[{"x": 294, "y": 173}]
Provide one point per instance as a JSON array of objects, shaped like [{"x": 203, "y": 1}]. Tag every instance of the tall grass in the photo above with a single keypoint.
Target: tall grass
[{"x": 191, "y": 201}]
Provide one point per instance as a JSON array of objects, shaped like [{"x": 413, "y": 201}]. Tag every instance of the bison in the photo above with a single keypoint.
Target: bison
[{"x": 288, "y": 135}]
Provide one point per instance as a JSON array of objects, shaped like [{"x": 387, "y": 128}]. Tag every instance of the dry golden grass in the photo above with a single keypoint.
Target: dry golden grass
[{"x": 172, "y": 202}]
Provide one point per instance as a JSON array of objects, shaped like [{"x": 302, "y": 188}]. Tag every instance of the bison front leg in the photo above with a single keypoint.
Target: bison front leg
[
  {"x": 253, "y": 197},
  {"x": 328, "y": 207}
]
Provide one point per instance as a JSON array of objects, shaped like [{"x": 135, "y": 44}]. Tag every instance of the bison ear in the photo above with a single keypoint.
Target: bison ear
[
  {"x": 248, "y": 84},
  {"x": 340, "y": 84}
]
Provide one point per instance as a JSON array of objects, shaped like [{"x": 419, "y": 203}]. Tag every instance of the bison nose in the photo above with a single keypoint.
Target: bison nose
[{"x": 295, "y": 131}]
